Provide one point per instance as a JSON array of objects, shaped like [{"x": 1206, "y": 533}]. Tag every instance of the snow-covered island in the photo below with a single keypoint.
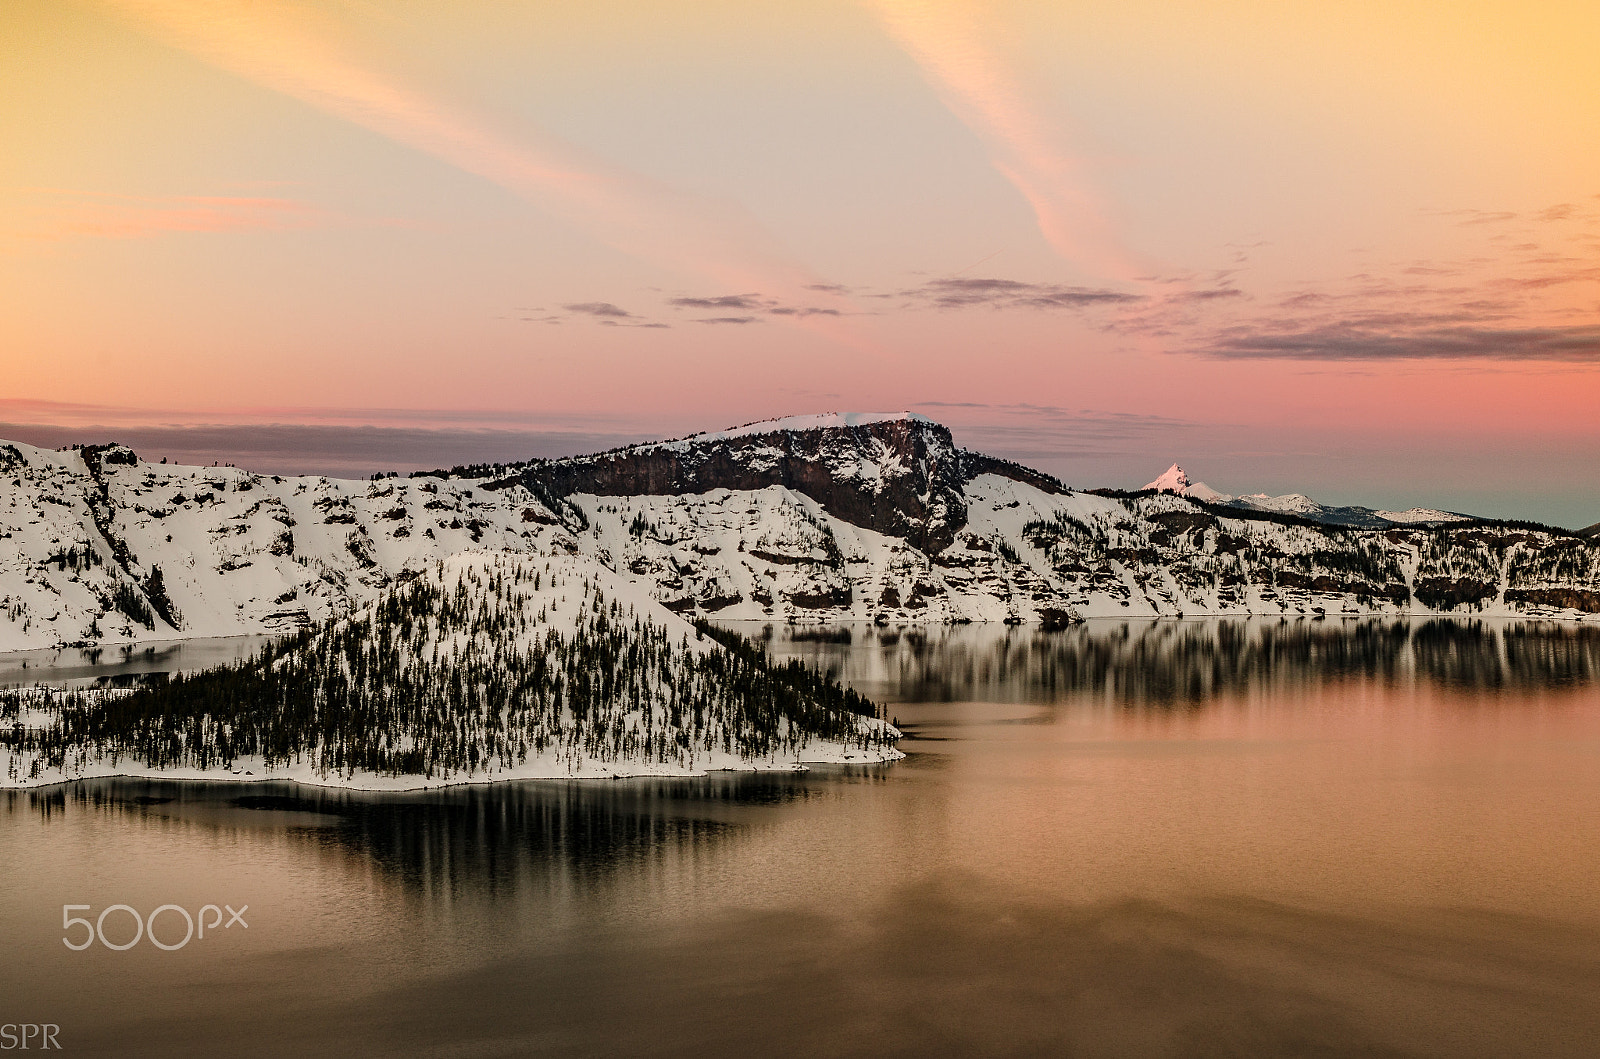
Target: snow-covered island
[{"x": 482, "y": 667}]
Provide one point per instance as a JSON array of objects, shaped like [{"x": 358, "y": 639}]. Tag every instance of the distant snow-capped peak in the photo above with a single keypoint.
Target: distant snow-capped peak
[{"x": 1176, "y": 480}]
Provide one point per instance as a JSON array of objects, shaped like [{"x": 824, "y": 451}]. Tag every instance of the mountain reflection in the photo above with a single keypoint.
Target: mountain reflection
[{"x": 1190, "y": 663}]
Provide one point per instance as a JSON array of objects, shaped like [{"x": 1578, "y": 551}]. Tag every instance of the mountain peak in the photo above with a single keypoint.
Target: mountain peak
[{"x": 1174, "y": 480}]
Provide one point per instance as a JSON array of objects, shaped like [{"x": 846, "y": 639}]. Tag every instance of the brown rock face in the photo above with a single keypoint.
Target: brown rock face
[
  {"x": 1576, "y": 598},
  {"x": 901, "y": 477}
]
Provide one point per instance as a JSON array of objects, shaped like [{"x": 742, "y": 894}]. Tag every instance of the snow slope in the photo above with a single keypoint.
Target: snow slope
[{"x": 236, "y": 552}]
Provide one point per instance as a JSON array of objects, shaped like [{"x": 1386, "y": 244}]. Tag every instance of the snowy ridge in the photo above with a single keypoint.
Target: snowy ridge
[
  {"x": 1423, "y": 514},
  {"x": 100, "y": 547},
  {"x": 484, "y": 667},
  {"x": 790, "y": 424},
  {"x": 886, "y": 522}
]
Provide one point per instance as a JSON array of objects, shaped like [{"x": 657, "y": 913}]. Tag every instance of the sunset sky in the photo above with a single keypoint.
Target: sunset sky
[{"x": 1349, "y": 249}]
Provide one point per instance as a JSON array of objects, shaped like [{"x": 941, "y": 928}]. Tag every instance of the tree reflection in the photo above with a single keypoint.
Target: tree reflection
[
  {"x": 488, "y": 839},
  {"x": 1191, "y": 663}
]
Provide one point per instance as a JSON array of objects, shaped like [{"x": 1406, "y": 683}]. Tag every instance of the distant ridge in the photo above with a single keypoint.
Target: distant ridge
[
  {"x": 1176, "y": 480},
  {"x": 1590, "y": 531}
]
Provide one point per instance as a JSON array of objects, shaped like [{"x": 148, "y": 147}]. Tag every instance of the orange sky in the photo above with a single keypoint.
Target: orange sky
[{"x": 1256, "y": 230}]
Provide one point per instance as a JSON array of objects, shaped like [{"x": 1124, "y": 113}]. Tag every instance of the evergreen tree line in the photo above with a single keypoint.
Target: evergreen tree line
[{"x": 447, "y": 679}]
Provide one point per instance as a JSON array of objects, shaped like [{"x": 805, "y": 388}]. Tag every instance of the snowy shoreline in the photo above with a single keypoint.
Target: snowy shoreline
[{"x": 549, "y": 768}]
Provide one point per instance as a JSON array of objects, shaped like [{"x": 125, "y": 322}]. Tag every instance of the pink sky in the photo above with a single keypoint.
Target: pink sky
[{"x": 1351, "y": 250}]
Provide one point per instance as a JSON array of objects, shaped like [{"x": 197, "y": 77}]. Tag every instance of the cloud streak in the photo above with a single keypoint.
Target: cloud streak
[
  {"x": 965, "y": 293},
  {"x": 289, "y": 49},
  {"x": 1346, "y": 343},
  {"x": 947, "y": 39},
  {"x": 752, "y": 303},
  {"x": 605, "y": 310}
]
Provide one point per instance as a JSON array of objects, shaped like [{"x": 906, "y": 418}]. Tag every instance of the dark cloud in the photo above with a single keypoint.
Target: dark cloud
[
  {"x": 1559, "y": 212},
  {"x": 601, "y": 309},
  {"x": 828, "y": 288},
  {"x": 960, "y": 293},
  {"x": 785, "y": 310},
  {"x": 752, "y": 303},
  {"x": 1209, "y": 295},
  {"x": 746, "y": 302},
  {"x": 728, "y": 320},
  {"x": 1345, "y": 342}
]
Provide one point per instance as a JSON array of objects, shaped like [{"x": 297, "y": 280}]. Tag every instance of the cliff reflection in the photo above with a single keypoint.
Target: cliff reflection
[{"x": 1190, "y": 663}]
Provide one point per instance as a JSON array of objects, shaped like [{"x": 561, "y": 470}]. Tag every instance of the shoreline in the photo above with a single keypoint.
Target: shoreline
[
  {"x": 1567, "y": 617},
  {"x": 373, "y": 783}
]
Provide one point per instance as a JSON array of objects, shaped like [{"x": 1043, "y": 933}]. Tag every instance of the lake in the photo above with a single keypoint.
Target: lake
[{"x": 1175, "y": 838}]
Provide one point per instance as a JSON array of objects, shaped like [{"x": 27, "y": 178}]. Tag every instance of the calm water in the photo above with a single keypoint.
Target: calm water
[{"x": 1182, "y": 838}]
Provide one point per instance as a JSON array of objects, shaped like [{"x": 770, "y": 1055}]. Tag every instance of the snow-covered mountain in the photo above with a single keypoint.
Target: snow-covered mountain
[
  {"x": 878, "y": 517},
  {"x": 1176, "y": 480},
  {"x": 484, "y": 666}
]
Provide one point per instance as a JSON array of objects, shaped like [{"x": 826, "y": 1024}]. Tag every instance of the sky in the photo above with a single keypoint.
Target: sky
[{"x": 1350, "y": 250}]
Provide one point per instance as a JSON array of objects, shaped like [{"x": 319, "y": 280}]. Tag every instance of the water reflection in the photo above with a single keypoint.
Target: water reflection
[
  {"x": 1304, "y": 846},
  {"x": 1190, "y": 663},
  {"x": 122, "y": 664},
  {"x": 484, "y": 840}
]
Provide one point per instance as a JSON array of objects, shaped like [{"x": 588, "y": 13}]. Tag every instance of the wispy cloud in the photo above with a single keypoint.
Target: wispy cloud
[
  {"x": 606, "y": 314},
  {"x": 605, "y": 310},
  {"x": 951, "y": 41},
  {"x": 750, "y": 303},
  {"x": 1523, "y": 294},
  {"x": 726, "y": 301},
  {"x": 290, "y": 48},
  {"x": 964, "y": 293},
  {"x": 1561, "y": 212},
  {"x": 954, "y": 292},
  {"x": 1208, "y": 294},
  {"x": 1342, "y": 342}
]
